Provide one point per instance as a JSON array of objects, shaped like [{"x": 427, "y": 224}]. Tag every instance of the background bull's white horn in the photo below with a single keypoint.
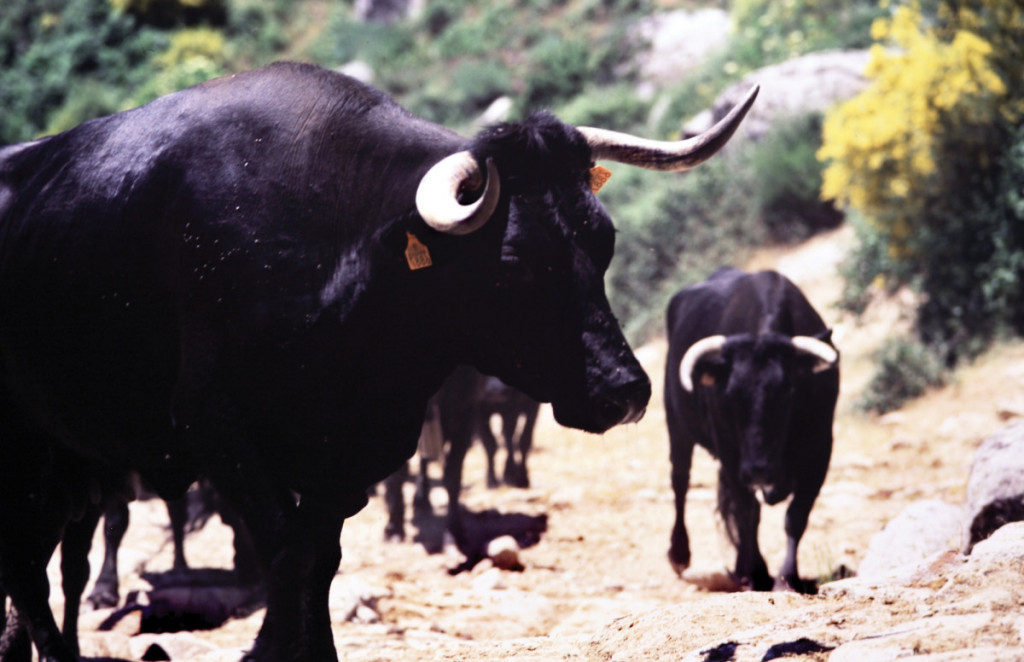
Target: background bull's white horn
[
  {"x": 667, "y": 155},
  {"x": 826, "y": 354},
  {"x": 704, "y": 346},
  {"x": 437, "y": 198}
]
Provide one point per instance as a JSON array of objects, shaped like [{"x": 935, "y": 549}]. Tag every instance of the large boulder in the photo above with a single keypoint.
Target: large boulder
[
  {"x": 921, "y": 530},
  {"x": 995, "y": 489},
  {"x": 811, "y": 83},
  {"x": 675, "y": 43}
]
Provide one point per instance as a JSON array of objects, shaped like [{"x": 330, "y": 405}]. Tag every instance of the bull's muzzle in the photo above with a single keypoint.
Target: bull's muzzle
[{"x": 626, "y": 403}]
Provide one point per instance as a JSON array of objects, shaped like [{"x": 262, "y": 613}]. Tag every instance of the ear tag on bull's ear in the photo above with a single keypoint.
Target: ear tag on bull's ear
[
  {"x": 416, "y": 254},
  {"x": 599, "y": 177},
  {"x": 707, "y": 379}
]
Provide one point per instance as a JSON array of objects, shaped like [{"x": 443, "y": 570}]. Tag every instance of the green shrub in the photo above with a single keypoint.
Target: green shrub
[
  {"x": 84, "y": 102},
  {"x": 906, "y": 369},
  {"x": 769, "y": 31},
  {"x": 787, "y": 181},
  {"x": 618, "y": 108},
  {"x": 474, "y": 34},
  {"x": 674, "y": 230},
  {"x": 557, "y": 70},
  {"x": 47, "y": 44}
]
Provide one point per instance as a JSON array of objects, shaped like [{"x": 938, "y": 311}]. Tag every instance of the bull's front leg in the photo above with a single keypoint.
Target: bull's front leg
[
  {"x": 394, "y": 530},
  {"x": 679, "y": 549},
  {"x": 74, "y": 567},
  {"x": 797, "y": 515},
  {"x": 33, "y": 513},
  {"x": 742, "y": 513},
  {"x": 300, "y": 550},
  {"x": 106, "y": 590}
]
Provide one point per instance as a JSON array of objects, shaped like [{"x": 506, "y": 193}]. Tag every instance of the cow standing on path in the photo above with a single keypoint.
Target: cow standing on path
[
  {"x": 261, "y": 280},
  {"x": 751, "y": 376},
  {"x": 459, "y": 412}
]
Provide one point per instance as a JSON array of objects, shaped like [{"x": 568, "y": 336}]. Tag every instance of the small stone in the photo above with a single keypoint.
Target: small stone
[{"x": 504, "y": 553}]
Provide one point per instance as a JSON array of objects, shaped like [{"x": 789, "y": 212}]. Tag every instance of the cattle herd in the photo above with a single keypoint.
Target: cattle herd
[{"x": 263, "y": 281}]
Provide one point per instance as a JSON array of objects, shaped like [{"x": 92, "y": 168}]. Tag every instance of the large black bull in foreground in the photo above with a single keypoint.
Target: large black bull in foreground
[
  {"x": 751, "y": 376},
  {"x": 262, "y": 280}
]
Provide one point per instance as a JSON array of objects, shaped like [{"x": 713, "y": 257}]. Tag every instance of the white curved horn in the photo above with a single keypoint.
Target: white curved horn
[
  {"x": 667, "y": 155},
  {"x": 825, "y": 353},
  {"x": 708, "y": 345},
  {"x": 437, "y": 195}
]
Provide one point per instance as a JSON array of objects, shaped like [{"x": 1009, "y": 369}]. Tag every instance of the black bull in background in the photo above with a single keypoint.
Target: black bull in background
[
  {"x": 262, "y": 280},
  {"x": 457, "y": 414},
  {"x": 751, "y": 376}
]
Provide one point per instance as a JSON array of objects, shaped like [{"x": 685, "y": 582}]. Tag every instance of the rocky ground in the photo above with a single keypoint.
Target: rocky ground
[{"x": 597, "y": 585}]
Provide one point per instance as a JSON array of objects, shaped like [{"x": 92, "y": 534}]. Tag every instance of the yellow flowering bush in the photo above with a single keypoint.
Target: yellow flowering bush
[
  {"x": 882, "y": 146},
  {"x": 931, "y": 157}
]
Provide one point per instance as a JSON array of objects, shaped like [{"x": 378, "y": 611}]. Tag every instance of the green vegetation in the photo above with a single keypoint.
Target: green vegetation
[
  {"x": 906, "y": 369},
  {"x": 932, "y": 157}
]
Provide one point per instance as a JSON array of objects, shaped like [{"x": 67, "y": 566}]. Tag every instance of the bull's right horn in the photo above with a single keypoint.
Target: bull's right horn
[
  {"x": 704, "y": 346},
  {"x": 824, "y": 352},
  {"x": 669, "y": 156},
  {"x": 437, "y": 198}
]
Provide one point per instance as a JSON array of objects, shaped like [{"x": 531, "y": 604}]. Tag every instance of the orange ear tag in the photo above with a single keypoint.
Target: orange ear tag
[
  {"x": 416, "y": 254},
  {"x": 598, "y": 177},
  {"x": 707, "y": 379}
]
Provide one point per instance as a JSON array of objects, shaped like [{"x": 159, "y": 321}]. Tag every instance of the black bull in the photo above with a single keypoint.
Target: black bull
[
  {"x": 261, "y": 280},
  {"x": 751, "y": 376}
]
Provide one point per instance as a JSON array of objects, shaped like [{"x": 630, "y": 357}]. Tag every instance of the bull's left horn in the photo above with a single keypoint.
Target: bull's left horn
[
  {"x": 662, "y": 155},
  {"x": 437, "y": 196},
  {"x": 825, "y": 353},
  {"x": 709, "y": 345}
]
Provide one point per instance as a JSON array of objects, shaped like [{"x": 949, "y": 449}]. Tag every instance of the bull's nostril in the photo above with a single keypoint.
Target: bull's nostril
[
  {"x": 612, "y": 411},
  {"x": 624, "y": 404}
]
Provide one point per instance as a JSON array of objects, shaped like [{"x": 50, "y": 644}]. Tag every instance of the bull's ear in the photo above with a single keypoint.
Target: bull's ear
[
  {"x": 705, "y": 349},
  {"x": 711, "y": 371}
]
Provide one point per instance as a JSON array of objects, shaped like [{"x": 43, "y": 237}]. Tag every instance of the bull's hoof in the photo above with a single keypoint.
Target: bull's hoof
[
  {"x": 517, "y": 477},
  {"x": 713, "y": 581},
  {"x": 263, "y": 651},
  {"x": 394, "y": 533},
  {"x": 795, "y": 585},
  {"x": 679, "y": 565}
]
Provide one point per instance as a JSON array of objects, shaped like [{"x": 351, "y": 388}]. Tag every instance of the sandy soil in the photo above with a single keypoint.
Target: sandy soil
[{"x": 609, "y": 510}]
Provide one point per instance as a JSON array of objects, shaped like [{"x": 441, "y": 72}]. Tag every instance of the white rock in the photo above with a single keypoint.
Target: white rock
[
  {"x": 924, "y": 528},
  {"x": 504, "y": 553}
]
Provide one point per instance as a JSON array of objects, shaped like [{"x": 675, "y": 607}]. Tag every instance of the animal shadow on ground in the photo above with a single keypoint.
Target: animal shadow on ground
[
  {"x": 478, "y": 530},
  {"x": 190, "y": 599}
]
